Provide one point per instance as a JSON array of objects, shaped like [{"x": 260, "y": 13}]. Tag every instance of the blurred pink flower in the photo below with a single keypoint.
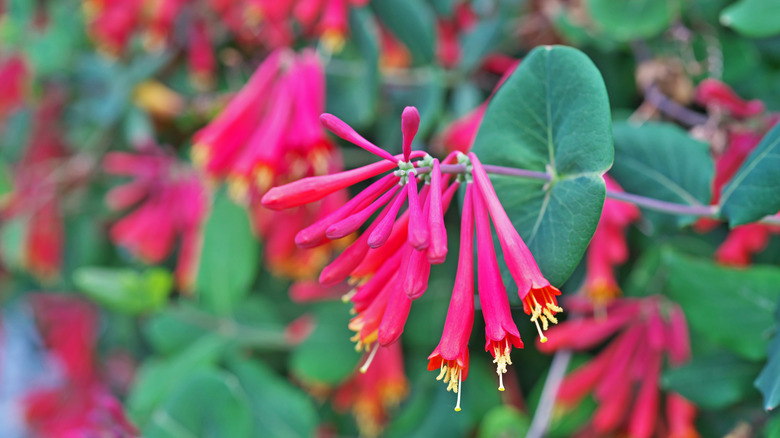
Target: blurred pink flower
[
  {"x": 80, "y": 405},
  {"x": 608, "y": 247},
  {"x": 170, "y": 204},
  {"x": 629, "y": 367}
]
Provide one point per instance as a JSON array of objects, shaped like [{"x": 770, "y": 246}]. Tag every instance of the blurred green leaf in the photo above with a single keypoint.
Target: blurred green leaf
[
  {"x": 627, "y": 20},
  {"x": 504, "y": 422},
  {"x": 12, "y": 242},
  {"x": 753, "y": 191},
  {"x": 768, "y": 382},
  {"x": 353, "y": 74},
  {"x": 124, "y": 290},
  {"x": 753, "y": 18},
  {"x": 169, "y": 333},
  {"x": 229, "y": 259},
  {"x": 278, "y": 408},
  {"x": 552, "y": 114},
  {"x": 661, "y": 161},
  {"x": 713, "y": 381},
  {"x": 412, "y": 22},
  {"x": 158, "y": 378},
  {"x": 327, "y": 356},
  {"x": 6, "y": 182},
  {"x": 206, "y": 404},
  {"x": 732, "y": 307}
]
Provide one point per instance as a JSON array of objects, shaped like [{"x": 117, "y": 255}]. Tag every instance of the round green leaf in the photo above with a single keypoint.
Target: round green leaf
[
  {"x": 552, "y": 115},
  {"x": 753, "y": 18},
  {"x": 278, "y": 408},
  {"x": 731, "y": 307},
  {"x": 327, "y": 356},
  {"x": 661, "y": 161},
  {"x": 626, "y": 20},
  {"x": 124, "y": 290},
  {"x": 504, "y": 422},
  {"x": 208, "y": 404},
  {"x": 713, "y": 381},
  {"x": 753, "y": 191},
  {"x": 229, "y": 260},
  {"x": 768, "y": 382}
]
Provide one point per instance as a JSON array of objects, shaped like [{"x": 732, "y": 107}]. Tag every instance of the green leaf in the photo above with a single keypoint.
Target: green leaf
[
  {"x": 713, "y": 381},
  {"x": 208, "y": 404},
  {"x": 6, "y": 182},
  {"x": 551, "y": 114},
  {"x": 229, "y": 260},
  {"x": 753, "y": 18},
  {"x": 124, "y": 290},
  {"x": 278, "y": 408},
  {"x": 504, "y": 422},
  {"x": 158, "y": 377},
  {"x": 731, "y": 307},
  {"x": 753, "y": 191},
  {"x": 327, "y": 356},
  {"x": 661, "y": 161},
  {"x": 768, "y": 382},
  {"x": 626, "y": 20},
  {"x": 412, "y": 22},
  {"x": 12, "y": 242}
]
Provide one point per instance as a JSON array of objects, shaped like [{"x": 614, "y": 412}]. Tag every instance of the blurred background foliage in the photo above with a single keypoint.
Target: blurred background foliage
[{"x": 243, "y": 349}]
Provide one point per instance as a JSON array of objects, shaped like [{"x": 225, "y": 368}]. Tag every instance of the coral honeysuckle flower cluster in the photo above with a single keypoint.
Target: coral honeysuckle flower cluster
[
  {"x": 390, "y": 263},
  {"x": 255, "y": 146},
  {"x": 623, "y": 377}
]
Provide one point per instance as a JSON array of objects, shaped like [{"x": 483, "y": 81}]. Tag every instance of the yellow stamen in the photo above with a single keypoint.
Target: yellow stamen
[
  {"x": 348, "y": 296},
  {"x": 443, "y": 371},
  {"x": 501, "y": 360}
]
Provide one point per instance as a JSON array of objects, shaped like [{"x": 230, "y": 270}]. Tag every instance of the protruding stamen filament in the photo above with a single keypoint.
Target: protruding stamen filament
[
  {"x": 542, "y": 337},
  {"x": 457, "y": 405},
  {"x": 370, "y": 359},
  {"x": 348, "y": 296}
]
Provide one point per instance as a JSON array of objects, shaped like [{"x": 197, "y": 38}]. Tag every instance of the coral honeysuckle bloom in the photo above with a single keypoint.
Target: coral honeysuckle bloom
[
  {"x": 624, "y": 376},
  {"x": 172, "y": 203},
  {"x": 451, "y": 356},
  {"x": 500, "y": 330},
  {"x": 538, "y": 295}
]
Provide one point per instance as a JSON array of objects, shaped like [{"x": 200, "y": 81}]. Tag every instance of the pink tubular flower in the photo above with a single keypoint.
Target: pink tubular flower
[
  {"x": 608, "y": 247},
  {"x": 711, "y": 92},
  {"x": 451, "y": 356},
  {"x": 45, "y": 173},
  {"x": 538, "y": 295},
  {"x": 500, "y": 330},
  {"x": 171, "y": 205},
  {"x": 14, "y": 75},
  {"x": 629, "y": 367},
  {"x": 200, "y": 55}
]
